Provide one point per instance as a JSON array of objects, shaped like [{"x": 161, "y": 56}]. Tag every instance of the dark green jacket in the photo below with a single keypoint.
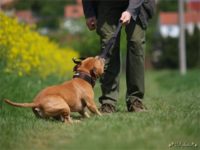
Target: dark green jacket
[{"x": 144, "y": 9}]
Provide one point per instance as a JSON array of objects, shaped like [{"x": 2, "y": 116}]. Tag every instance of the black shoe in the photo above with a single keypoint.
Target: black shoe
[
  {"x": 136, "y": 106},
  {"x": 107, "y": 108}
]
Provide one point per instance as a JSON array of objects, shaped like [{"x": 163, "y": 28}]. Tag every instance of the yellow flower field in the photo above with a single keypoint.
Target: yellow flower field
[{"x": 24, "y": 51}]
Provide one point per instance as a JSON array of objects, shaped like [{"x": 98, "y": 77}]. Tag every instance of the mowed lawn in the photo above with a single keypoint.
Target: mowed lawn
[{"x": 173, "y": 102}]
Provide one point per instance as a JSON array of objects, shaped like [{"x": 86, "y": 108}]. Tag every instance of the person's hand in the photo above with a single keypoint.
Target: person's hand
[
  {"x": 125, "y": 17},
  {"x": 91, "y": 23}
]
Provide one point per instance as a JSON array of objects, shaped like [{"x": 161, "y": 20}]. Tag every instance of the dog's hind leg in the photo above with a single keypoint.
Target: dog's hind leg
[
  {"x": 38, "y": 113},
  {"x": 65, "y": 113}
]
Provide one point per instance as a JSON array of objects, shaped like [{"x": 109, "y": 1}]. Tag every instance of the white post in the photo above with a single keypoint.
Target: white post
[{"x": 182, "y": 49}]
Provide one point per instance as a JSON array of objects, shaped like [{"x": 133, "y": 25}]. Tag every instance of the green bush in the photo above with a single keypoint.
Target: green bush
[{"x": 169, "y": 48}]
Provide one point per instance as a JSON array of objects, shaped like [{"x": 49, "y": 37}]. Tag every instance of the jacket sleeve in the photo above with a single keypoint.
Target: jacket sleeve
[
  {"x": 134, "y": 7},
  {"x": 149, "y": 7},
  {"x": 88, "y": 8},
  {"x": 147, "y": 11}
]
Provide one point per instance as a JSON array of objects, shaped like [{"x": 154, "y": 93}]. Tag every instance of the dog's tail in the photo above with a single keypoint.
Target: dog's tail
[{"x": 30, "y": 105}]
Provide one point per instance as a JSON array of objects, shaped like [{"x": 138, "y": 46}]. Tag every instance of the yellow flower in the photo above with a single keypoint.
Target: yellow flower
[{"x": 26, "y": 51}]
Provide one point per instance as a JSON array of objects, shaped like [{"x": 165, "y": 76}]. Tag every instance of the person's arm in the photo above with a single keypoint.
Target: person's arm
[
  {"x": 133, "y": 7},
  {"x": 88, "y": 8},
  {"x": 90, "y": 15}
]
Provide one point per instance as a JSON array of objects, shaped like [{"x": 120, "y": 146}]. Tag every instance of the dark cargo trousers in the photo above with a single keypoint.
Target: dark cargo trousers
[{"x": 109, "y": 14}]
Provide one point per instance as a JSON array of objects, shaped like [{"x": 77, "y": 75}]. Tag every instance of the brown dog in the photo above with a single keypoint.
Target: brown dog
[{"x": 71, "y": 96}]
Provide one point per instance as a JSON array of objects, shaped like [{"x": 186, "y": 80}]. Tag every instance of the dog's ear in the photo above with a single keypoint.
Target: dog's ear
[
  {"x": 76, "y": 67},
  {"x": 76, "y": 61}
]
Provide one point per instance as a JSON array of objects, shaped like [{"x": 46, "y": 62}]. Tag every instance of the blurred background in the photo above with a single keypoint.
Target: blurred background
[
  {"x": 62, "y": 21},
  {"x": 39, "y": 38}
]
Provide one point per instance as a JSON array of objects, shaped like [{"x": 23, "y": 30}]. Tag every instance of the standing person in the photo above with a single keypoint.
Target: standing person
[{"x": 104, "y": 16}]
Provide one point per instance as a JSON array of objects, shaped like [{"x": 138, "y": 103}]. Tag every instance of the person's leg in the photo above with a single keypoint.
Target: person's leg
[
  {"x": 135, "y": 65},
  {"x": 108, "y": 18}
]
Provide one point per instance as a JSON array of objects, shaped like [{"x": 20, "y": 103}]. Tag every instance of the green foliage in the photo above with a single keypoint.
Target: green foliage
[
  {"x": 173, "y": 116},
  {"x": 193, "y": 48},
  {"x": 87, "y": 43},
  {"x": 23, "y": 4},
  {"x": 167, "y": 5},
  {"x": 49, "y": 11},
  {"x": 151, "y": 34},
  {"x": 170, "y": 50}
]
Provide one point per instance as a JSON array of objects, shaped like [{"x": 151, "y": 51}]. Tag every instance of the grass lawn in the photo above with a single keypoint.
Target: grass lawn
[{"x": 174, "y": 116}]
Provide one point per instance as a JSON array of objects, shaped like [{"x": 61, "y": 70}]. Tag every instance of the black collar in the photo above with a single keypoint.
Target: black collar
[{"x": 85, "y": 77}]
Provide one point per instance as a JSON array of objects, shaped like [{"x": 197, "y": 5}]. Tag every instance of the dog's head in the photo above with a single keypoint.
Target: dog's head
[{"x": 91, "y": 65}]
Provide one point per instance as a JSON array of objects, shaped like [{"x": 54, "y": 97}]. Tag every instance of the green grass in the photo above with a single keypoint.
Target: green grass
[{"x": 174, "y": 116}]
